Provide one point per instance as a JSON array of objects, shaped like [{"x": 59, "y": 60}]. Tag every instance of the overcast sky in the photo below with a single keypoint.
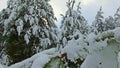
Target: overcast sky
[{"x": 89, "y": 7}]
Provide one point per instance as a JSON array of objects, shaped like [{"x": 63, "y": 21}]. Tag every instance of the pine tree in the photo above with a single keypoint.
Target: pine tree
[
  {"x": 117, "y": 18},
  {"x": 28, "y": 26},
  {"x": 3, "y": 58},
  {"x": 98, "y": 25},
  {"x": 73, "y": 23},
  {"x": 109, "y": 23}
]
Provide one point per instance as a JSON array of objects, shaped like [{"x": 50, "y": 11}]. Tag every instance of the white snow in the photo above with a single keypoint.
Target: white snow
[
  {"x": 45, "y": 43},
  {"x": 26, "y": 17},
  {"x": 31, "y": 9},
  {"x": 35, "y": 29},
  {"x": 117, "y": 34},
  {"x": 107, "y": 58},
  {"x": 64, "y": 41},
  {"x": 74, "y": 50},
  {"x": 20, "y": 26},
  {"x": 28, "y": 14},
  {"x": 43, "y": 13},
  {"x": 1, "y": 66},
  {"x": 103, "y": 54},
  {"x": 32, "y": 21},
  {"x": 26, "y": 37},
  {"x": 119, "y": 60},
  {"x": 36, "y": 20},
  {"x": 36, "y": 61},
  {"x": 97, "y": 54},
  {"x": 40, "y": 62}
]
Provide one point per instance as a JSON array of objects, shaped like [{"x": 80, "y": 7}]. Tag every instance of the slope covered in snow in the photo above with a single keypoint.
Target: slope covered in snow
[
  {"x": 94, "y": 51},
  {"x": 104, "y": 50},
  {"x": 106, "y": 58},
  {"x": 36, "y": 61}
]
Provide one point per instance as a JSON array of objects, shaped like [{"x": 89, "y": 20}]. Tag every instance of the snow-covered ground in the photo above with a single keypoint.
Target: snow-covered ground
[
  {"x": 99, "y": 51},
  {"x": 104, "y": 50},
  {"x": 1, "y": 66},
  {"x": 107, "y": 58},
  {"x": 36, "y": 61}
]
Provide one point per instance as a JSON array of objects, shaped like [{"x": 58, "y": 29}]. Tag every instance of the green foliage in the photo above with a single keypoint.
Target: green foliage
[
  {"x": 55, "y": 63},
  {"x": 22, "y": 18},
  {"x": 59, "y": 62},
  {"x": 107, "y": 34},
  {"x": 111, "y": 41},
  {"x": 17, "y": 49}
]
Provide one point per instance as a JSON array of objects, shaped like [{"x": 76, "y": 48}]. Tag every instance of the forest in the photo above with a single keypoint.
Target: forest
[{"x": 30, "y": 38}]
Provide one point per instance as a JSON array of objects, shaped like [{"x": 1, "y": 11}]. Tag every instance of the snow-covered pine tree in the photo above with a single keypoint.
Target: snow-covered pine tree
[
  {"x": 73, "y": 23},
  {"x": 117, "y": 18},
  {"x": 98, "y": 25},
  {"x": 109, "y": 23},
  {"x": 2, "y": 42},
  {"x": 28, "y": 26}
]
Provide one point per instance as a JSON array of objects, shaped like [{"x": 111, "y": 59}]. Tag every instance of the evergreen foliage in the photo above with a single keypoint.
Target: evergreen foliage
[
  {"x": 29, "y": 27},
  {"x": 117, "y": 18},
  {"x": 73, "y": 23},
  {"x": 98, "y": 25},
  {"x": 109, "y": 23}
]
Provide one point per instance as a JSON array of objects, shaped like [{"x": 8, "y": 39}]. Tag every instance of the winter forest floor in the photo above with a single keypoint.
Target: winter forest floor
[{"x": 101, "y": 52}]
